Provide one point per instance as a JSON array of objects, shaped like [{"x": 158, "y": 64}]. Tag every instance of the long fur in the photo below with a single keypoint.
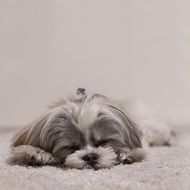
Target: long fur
[{"x": 79, "y": 126}]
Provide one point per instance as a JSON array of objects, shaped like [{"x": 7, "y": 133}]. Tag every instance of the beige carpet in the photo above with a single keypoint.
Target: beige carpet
[{"x": 165, "y": 168}]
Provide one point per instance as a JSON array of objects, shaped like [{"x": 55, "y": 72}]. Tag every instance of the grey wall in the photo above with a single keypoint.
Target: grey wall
[{"x": 120, "y": 48}]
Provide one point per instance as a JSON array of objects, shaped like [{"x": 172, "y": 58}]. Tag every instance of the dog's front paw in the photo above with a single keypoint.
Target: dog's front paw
[
  {"x": 30, "y": 155},
  {"x": 41, "y": 158},
  {"x": 134, "y": 155},
  {"x": 125, "y": 159}
]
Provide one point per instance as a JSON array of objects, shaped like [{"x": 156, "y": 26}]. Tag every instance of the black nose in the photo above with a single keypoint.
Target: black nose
[{"x": 91, "y": 158}]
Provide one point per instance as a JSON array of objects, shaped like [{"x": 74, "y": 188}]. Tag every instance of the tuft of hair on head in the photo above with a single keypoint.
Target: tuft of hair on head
[{"x": 81, "y": 91}]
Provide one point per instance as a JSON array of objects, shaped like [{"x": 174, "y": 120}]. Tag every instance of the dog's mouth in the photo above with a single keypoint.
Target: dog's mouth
[
  {"x": 95, "y": 161},
  {"x": 92, "y": 158}
]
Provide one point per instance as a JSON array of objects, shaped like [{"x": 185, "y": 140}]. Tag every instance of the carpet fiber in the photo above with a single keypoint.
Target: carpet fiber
[{"x": 165, "y": 168}]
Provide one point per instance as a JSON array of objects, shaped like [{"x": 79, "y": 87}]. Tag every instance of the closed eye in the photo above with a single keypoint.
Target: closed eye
[
  {"x": 72, "y": 148},
  {"x": 101, "y": 143},
  {"x": 75, "y": 148},
  {"x": 111, "y": 142}
]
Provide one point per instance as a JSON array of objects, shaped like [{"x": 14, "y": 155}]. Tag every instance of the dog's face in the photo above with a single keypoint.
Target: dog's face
[{"x": 89, "y": 132}]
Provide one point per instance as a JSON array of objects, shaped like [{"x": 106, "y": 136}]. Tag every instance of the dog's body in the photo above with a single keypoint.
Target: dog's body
[{"x": 87, "y": 131}]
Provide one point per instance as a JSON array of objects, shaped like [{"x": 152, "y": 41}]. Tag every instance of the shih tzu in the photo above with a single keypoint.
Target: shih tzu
[{"x": 88, "y": 131}]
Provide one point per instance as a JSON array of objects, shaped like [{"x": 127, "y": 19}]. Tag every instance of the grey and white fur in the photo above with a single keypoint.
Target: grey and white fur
[{"x": 84, "y": 131}]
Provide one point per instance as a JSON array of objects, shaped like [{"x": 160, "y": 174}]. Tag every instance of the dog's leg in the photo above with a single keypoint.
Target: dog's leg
[
  {"x": 135, "y": 155},
  {"x": 30, "y": 155}
]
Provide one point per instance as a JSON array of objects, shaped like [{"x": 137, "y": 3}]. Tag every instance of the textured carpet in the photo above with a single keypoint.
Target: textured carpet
[{"x": 165, "y": 168}]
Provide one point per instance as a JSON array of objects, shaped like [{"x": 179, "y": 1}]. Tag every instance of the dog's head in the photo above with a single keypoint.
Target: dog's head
[{"x": 85, "y": 132}]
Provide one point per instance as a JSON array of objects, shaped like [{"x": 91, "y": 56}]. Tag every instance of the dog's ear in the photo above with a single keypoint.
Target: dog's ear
[
  {"x": 20, "y": 137},
  {"x": 31, "y": 133},
  {"x": 135, "y": 139},
  {"x": 132, "y": 132}
]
